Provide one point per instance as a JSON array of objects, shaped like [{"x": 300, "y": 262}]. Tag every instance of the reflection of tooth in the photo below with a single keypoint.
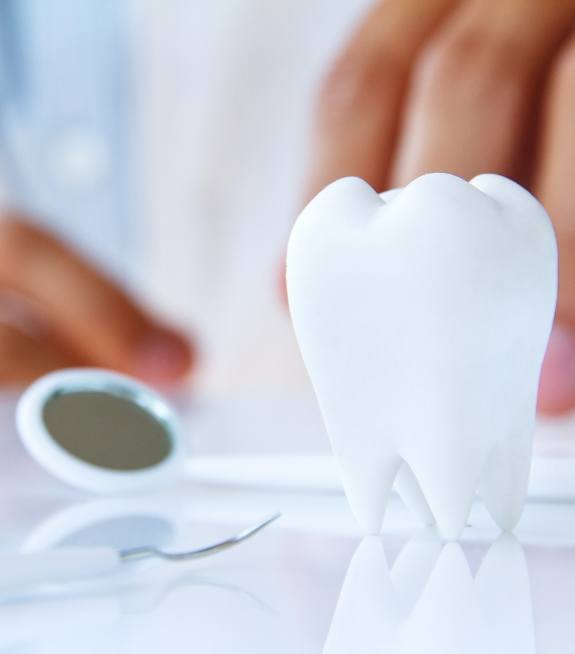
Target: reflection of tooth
[
  {"x": 423, "y": 319},
  {"x": 502, "y": 583},
  {"x": 446, "y": 613},
  {"x": 429, "y": 602},
  {"x": 412, "y": 567},
  {"x": 367, "y": 612}
]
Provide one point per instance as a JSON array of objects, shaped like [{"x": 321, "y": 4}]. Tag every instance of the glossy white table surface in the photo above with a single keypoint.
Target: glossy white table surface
[{"x": 289, "y": 590}]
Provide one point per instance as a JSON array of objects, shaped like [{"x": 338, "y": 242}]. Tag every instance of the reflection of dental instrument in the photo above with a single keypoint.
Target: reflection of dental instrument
[
  {"x": 49, "y": 610},
  {"x": 62, "y": 565}
]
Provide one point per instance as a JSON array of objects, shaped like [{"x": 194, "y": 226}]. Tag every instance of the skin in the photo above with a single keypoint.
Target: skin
[
  {"x": 463, "y": 86},
  {"x": 60, "y": 311}
]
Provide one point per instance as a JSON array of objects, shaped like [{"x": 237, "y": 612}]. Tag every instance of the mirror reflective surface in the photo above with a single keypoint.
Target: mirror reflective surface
[{"x": 107, "y": 430}]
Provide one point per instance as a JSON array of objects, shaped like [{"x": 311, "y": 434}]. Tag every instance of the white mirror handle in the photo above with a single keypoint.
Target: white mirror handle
[{"x": 22, "y": 570}]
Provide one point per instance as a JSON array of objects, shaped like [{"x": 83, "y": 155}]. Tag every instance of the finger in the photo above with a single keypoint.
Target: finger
[
  {"x": 90, "y": 313},
  {"x": 359, "y": 104},
  {"x": 474, "y": 88},
  {"x": 24, "y": 357},
  {"x": 554, "y": 186}
]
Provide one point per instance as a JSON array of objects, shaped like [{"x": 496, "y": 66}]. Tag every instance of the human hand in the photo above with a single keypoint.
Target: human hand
[
  {"x": 58, "y": 311},
  {"x": 467, "y": 87}
]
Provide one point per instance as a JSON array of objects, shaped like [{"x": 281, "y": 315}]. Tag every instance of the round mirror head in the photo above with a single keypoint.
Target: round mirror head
[
  {"x": 107, "y": 429},
  {"x": 99, "y": 430}
]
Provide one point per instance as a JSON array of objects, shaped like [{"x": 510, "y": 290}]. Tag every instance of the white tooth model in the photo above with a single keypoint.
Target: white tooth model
[
  {"x": 423, "y": 316},
  {"x": 430, "y": 601}
]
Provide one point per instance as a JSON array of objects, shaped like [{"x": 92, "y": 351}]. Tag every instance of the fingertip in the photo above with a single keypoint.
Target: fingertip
[
  {"x": 163, "y": 357},
  {"x": 282, "y": 285}
]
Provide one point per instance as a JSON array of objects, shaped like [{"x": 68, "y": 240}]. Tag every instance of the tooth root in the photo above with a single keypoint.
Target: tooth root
[
  {"x": 504, "y": 482},
  {"x": 408, "y": 489},
  {"x": 448, "y": 480},
  {"x": 368, "y": 485}
]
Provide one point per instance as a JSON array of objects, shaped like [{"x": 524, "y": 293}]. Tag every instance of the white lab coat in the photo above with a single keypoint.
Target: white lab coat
[{"x": 224, "y": 96}]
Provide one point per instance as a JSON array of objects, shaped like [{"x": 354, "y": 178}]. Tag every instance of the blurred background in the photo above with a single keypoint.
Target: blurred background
[
  {"x": 167, "y": 141},
  {"x": 154, "y": 155}
]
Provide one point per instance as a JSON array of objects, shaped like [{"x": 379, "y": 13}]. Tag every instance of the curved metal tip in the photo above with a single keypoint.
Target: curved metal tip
[
  {"x": 145, "y": 552},
  {"x": 251, "y": 531}
]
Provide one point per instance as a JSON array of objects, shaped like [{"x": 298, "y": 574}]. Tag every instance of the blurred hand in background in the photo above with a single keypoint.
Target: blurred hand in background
[
  {"x": 465, "y": 87},
  {"x": 63, "y": 312}
]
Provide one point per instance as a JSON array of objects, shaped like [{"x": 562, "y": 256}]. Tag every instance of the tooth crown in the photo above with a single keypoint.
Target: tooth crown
[{"x": 423, "y": 322}]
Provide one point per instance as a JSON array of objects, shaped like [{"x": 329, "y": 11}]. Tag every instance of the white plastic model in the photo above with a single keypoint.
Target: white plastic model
[
  {"x": 423, "y": 316},
  {"x": 73, "y": 470},
  {"x": 430, "y": 601}
]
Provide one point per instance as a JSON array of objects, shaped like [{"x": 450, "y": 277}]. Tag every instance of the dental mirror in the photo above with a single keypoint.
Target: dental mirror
[{"x": 99, "y": 430}]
